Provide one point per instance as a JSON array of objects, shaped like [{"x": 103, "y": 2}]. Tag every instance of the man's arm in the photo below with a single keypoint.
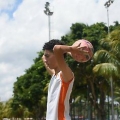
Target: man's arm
[
  {"x": 50, "y": 71},
  {"x": 59, "y": 51}
]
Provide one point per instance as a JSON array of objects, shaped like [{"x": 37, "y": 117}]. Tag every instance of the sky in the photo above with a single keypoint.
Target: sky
[{"x": 24, "y": 30}]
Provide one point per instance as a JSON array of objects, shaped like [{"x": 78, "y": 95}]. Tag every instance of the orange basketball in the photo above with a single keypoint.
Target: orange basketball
[{"x": 86, "y": 46}]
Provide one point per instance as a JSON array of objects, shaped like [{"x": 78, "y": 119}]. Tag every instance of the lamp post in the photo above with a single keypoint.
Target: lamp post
[
  {"x": 107, "y": 5},
  {"x": 48, "y": 13}
]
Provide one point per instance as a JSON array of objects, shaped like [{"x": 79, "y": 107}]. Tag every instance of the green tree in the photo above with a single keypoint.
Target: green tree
[
  {"x": 1, "y": 110},
  {"x": 29, "y": 89},
  {"x": 84, "y": 85},
  {"x": 107, "y": 63}
]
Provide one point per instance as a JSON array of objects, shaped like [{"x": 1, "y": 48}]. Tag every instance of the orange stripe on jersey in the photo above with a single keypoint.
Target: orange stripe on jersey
[{"x": 61, "y": 107}]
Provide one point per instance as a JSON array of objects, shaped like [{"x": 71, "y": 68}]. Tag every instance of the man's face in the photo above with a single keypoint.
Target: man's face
[{"x": 50, "y": 59}]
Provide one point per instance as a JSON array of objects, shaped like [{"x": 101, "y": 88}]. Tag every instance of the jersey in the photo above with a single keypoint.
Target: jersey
[{"x": 58, "y": 98}]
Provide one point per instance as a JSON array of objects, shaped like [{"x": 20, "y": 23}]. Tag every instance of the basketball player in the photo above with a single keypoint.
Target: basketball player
[{"x": 62, "y": 79}]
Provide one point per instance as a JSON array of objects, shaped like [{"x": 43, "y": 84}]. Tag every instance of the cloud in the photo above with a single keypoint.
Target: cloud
[
  {"x": 7, "y": 4},
  {"x": 24, "y": 30}
]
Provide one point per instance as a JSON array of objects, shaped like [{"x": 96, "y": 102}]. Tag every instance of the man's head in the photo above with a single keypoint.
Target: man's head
[{"x": 48, "y": 52}]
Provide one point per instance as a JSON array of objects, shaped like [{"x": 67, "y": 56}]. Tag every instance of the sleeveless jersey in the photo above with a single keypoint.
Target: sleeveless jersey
[{"x": 58, "y": 98}]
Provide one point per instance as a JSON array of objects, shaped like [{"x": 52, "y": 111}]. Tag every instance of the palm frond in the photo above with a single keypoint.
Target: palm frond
[
  {"x": 106, "y": 70},
  {"x": 103, "y": 56}
]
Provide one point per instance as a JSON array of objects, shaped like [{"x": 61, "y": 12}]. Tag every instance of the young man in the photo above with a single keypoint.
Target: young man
[{"x": 61, "y": 83}]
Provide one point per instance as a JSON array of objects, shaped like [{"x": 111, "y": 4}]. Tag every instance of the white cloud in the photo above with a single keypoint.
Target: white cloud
[
  {"x": 7, "y": 4},
  {"x": 22, "y": 36}
]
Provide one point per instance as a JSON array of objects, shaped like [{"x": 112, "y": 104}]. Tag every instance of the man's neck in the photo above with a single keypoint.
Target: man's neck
[{"x": 57, "y": 71}]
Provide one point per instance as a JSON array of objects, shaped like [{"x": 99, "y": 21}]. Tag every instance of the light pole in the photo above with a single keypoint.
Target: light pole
[
  {"x": 107, "y": 5},
  {"x": 48, "y": 13}
]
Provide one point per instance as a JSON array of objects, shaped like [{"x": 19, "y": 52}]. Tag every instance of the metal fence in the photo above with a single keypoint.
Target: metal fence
[{"x": 84, "y": 111}]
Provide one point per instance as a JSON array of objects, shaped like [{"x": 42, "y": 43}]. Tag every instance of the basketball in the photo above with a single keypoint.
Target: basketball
[{"x": 86, "y": 46}]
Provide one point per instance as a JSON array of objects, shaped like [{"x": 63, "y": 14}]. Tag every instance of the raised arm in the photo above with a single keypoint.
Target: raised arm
[{"x": 59, "y": 51}]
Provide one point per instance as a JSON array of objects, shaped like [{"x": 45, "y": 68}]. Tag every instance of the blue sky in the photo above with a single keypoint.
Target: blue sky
[
  {"x": 24, "y": 30},
  {"x": 11, "y": 8}
]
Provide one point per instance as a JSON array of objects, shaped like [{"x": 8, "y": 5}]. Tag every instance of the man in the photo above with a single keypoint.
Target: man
[{"x": 61, "y": 83}]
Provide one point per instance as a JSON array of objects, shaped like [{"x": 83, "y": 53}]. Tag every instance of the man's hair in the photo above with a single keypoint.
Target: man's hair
[{"x": 50, "y": 45}]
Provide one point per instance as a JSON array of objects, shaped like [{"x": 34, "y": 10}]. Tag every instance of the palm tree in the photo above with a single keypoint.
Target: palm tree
[
  {"x": 8, "y": 112},
  {"x": 108, "y": 60},
  {"x": 108, "y": 70},
  {"x": 1, "y": 110}
]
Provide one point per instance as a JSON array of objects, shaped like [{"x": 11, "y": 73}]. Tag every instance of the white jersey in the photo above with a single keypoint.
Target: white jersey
[{"x": 58, "y": 98}]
